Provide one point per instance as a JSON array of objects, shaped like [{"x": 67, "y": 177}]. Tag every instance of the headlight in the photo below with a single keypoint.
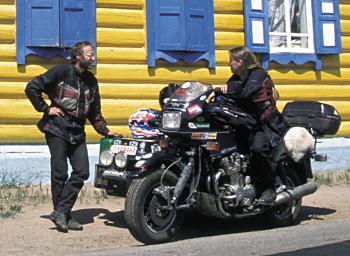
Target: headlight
[
  {"x": 106, "y": 157},
  {"x": 120, "y": 160},
  {"x": 171, "y": 120}
]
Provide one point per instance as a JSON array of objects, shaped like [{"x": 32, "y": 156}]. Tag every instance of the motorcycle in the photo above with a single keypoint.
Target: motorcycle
[
  {"x": 119, "y": 158},
  {"x": 200, "y": 168}
]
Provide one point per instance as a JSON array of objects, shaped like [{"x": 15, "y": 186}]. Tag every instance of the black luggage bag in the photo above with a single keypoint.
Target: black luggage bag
[{"x": 322, "y": 118}]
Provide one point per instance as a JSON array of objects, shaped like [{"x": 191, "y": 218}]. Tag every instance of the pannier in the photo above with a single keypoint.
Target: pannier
[{"x": 322, "y": 118}]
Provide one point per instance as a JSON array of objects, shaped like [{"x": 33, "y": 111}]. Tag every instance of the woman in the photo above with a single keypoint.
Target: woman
[{"x": 253, "y": 91}]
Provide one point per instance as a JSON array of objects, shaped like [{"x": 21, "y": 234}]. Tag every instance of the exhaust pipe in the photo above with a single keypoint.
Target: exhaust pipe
[{"x": 296, "y": 193}]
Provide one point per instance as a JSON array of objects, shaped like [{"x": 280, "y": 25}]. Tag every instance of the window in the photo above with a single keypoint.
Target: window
[
  {"x": 50, "y": 27},
  {"x": 180, "y": 30},
  {"x": 293, "y": 30},
  {"x": 290, "y": 26}
]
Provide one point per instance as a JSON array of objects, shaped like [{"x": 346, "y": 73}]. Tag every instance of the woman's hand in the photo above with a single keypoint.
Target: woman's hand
[
  {"x": 223, "y": 88},
  {"x": 220, "y": 90}
]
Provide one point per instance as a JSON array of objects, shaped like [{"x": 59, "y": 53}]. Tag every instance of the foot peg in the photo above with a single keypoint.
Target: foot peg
[{"x": 320, "y": 157}]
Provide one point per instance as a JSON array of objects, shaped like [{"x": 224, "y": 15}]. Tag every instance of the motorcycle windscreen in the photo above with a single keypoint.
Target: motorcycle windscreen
[{"x": 190, "y": 91}]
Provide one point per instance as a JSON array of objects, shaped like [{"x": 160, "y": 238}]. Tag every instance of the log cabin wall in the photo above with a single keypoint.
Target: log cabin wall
[{"x": 127, "y": 83}]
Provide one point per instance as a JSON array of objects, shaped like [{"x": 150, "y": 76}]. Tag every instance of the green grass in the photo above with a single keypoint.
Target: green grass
[
  {"x": 15, "y": 197},
  {"x": 332, "y": 178},
  {"x": 87, "y": 194},
  {"x": 17, "y": 193}
]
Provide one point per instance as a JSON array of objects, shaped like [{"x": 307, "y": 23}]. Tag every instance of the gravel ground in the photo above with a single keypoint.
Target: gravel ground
[{"x": 31, "y": 233}]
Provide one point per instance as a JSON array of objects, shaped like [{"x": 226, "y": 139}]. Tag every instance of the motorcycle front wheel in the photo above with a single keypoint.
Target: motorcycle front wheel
[{"x": 144, "y": 212}]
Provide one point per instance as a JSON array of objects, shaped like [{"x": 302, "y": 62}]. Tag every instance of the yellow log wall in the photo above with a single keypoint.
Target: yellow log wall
[{"x": 127, "y": 84}]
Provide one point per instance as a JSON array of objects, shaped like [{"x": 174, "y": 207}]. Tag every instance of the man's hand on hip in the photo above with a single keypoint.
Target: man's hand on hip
[{"x": 53, "y": 111}]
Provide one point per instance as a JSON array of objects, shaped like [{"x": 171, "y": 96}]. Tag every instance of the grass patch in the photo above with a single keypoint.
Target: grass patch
[
  {"x": 89, "y": 193},
  {"x": 14, "y": 197},
  {"x": 332, "y": 178},
  {"x": 18, "y": 192}
]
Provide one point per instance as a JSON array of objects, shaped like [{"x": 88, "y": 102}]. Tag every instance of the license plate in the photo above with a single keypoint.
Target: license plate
[{"x": 128, "y": 150}]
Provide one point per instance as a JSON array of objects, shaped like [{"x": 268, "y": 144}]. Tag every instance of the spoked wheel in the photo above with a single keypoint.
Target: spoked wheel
[
  {"x": 286, "y": 214},
  {"x": 146, "y": 214}
]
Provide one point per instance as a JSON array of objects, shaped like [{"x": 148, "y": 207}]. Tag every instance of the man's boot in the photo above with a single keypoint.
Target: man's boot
[
  {"x": 60, "y": 220},
  {"x": 73, "y": 224}
]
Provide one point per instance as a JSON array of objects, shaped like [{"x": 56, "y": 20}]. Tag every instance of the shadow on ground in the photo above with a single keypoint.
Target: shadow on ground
[
  {"x": 197, "y": 225},
  {"x": 86, "y": 216}
]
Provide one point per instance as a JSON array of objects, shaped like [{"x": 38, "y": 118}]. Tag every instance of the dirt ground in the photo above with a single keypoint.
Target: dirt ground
[{"x": 31, "y": 233}]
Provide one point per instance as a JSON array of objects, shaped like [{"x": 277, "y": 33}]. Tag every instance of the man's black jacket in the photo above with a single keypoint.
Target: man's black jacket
[{"x": 76, "y": 94}]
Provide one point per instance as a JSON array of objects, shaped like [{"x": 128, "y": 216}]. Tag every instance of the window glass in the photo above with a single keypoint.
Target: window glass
[
  {"x": 290, "y": 26},
  {"x": 297, "y": 31}
]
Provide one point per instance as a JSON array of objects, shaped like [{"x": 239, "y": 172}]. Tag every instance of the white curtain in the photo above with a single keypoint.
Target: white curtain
[
  {"x": 277, "y": 22},
  {"x": 298, "y": 21}
]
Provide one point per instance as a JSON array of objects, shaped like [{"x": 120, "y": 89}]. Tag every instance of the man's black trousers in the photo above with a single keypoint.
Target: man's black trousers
[{"x": 65, "y": 189}]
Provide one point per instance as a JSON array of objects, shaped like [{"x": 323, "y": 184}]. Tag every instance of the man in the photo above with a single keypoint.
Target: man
[
  {"x": 74, "y": 95},
  {"x": 253, "y": 91}
]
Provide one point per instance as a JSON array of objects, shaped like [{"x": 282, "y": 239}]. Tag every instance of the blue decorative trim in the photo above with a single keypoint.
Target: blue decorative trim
[
  {"x": 285, "y": 58},
  {"x": 188, "y": 57}
]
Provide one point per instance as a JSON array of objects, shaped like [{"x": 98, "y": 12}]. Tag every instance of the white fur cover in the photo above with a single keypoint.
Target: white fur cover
[{"x": 298, "y": 142}]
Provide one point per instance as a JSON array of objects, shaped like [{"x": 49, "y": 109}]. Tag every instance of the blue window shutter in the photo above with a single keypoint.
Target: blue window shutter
[
  {"x": 170, "y": 25},
  {"x": 180, "y": 30},
  {"x": 42, "y": 23},
  {"x": 326, "y": 19},
  {"x": 256, "y": 26},
  {"x": 78, "y": 22},
  {"x": 197, "y": 30}
]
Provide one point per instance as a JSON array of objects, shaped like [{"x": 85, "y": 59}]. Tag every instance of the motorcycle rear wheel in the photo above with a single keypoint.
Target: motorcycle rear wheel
[
  {"x": 146, "y": 220},
  {"x": 286, "y": 214}
]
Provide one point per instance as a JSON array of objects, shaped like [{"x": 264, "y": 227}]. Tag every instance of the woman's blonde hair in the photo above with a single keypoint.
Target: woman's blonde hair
[{"x": 248, "y": 58}]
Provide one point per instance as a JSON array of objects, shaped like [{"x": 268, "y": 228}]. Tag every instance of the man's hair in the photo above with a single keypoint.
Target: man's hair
[
  {"x": 246, "y": 56},
  {"x": 78, "y": 50}
]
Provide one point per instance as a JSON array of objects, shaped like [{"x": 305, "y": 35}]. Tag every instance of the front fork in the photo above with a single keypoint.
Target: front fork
[
  {"x": 183, "y": 179},
  {"x": 172, "y": 194}
]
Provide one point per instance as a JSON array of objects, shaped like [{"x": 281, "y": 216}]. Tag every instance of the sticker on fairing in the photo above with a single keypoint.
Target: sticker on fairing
[
  {"x": 186, "y": 85},
  {"x": 204, "y": 136},
  {"x": 198, "y": 125},
  {"x": 202, "y": 125},
  {"x": 194, "y": 109},
  {"x": 192, "y": 126}
]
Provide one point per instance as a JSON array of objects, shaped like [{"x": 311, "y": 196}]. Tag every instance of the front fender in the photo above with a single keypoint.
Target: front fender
[{"x": 158, "y": 159}]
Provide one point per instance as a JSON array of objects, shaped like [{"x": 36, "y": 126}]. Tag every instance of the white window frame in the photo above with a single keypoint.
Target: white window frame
[{"x": 289, "y": 34}]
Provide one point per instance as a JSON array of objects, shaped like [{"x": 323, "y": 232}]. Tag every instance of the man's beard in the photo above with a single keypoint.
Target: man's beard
[{"x": 85, "y": 64}]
